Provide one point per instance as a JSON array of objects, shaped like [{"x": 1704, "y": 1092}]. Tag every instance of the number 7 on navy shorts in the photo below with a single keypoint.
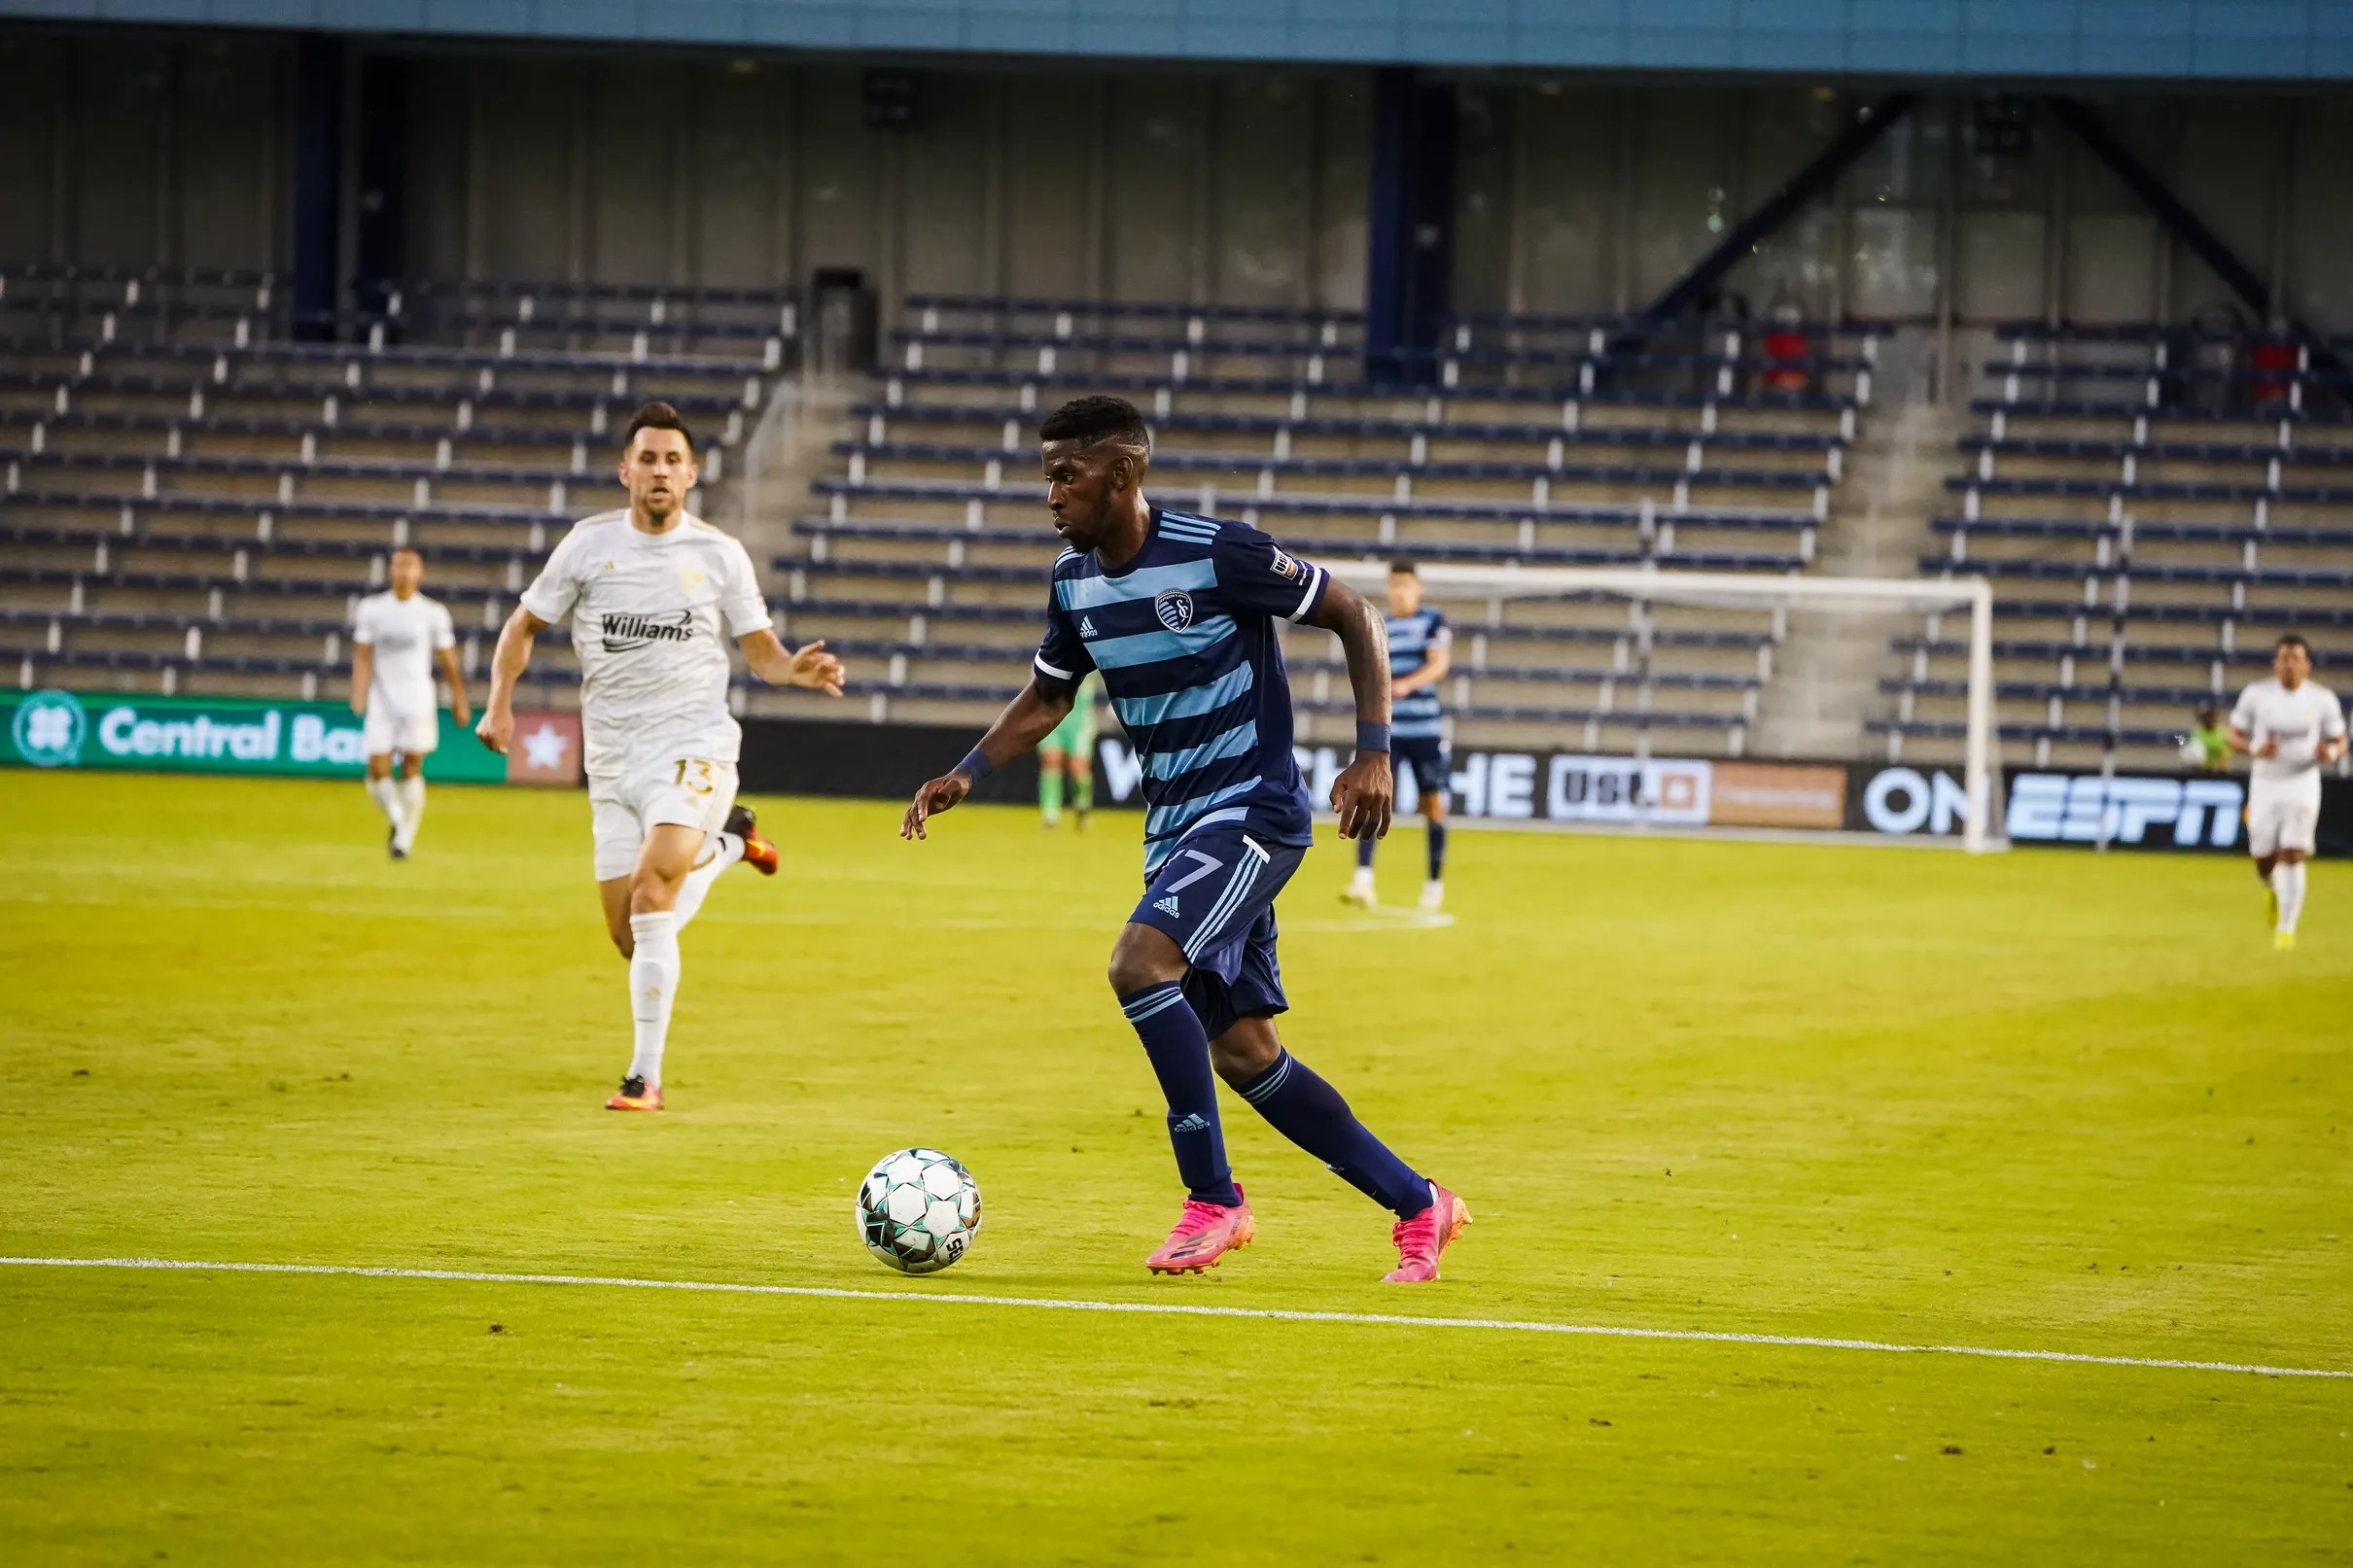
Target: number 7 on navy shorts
[{"x": 1214, "y": 896}]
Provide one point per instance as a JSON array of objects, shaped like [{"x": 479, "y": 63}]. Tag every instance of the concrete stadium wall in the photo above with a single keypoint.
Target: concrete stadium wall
[
  {"x": 1243, "y": 186},
  {"x": 130, "y": 151}
]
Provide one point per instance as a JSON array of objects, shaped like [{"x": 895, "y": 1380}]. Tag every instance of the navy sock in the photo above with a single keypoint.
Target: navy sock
[
  {"x": 1437, "y": 852},
  {"x": 1179, "y": 1050},
  {"x": 1364, "y": 851},
  {"x": 1310, "y": 1112}
]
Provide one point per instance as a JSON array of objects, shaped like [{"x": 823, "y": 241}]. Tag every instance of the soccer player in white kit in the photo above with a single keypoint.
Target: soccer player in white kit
[
  {"x": 2291, "y": 727},
  {"x": 397, "y": 637},
  {"x": 653, "y": 594}
]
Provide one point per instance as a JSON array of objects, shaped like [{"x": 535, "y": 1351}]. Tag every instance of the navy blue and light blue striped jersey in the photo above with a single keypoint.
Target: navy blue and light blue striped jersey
[
  {"x": 1417, "y": 715},
  {"x": 1185, "y": 637}
]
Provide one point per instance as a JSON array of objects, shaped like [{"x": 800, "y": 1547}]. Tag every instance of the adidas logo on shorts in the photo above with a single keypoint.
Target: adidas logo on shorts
[{"x": 1167, "y": 905}]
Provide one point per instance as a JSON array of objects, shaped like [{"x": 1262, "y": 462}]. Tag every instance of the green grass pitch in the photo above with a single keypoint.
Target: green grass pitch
[{"x": 2042, "y": 1100}]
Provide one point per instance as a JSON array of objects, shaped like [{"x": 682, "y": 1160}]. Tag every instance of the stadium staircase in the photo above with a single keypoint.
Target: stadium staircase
[
  {"x": 198, "y": 486},
  {"x": 2154, "y": 508},
  {"x": 1527, "y": 440}
]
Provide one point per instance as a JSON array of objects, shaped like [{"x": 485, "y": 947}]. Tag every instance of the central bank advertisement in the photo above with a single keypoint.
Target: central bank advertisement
[{"x": 57, "y": 729}]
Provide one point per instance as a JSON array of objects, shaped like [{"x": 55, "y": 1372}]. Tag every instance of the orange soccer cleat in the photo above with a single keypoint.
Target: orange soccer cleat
[
  {"x": 1207, "y": 1233},
  {"x": 1422, "y": 1239},
  {"x": 634, "y": 1095},
  {"x": 759, "y": 854}
]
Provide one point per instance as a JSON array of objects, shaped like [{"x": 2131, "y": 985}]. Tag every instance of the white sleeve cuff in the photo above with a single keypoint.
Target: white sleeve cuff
[
  {"x": 1047, "y": 669},
  {"x": 1315, "y": 586},
  {"x": 744, "y": 616}
]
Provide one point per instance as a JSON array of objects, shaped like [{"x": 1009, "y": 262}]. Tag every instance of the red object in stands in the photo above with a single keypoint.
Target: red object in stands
[
  {"x": 1784, "y": 354},
  {"x": 2274, "y": 367}
]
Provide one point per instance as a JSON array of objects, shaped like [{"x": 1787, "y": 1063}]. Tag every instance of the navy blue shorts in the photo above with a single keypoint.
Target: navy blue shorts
[
  {"x": 1431, "y": 761},
  {"x": 1214, "y": 896}
]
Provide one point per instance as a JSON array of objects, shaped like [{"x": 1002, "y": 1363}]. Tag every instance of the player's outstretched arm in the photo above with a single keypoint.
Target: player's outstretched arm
[
  {"x": 1027, "y": 719},
  {"x": 811, "y": 667},
  {"x": 362, "y": 675},
  {"x": 451, "y": 672},
  {"x": 1365, "y": 790},
  {"x": 506, "y": 666}
]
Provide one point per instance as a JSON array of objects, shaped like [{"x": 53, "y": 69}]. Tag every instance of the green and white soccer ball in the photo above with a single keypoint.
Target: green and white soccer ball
[{"x": 918, "y": 1210}]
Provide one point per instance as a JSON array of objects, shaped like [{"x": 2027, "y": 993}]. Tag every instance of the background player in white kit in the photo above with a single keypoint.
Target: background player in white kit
[
  {"x": 397, "y": 637},
  {"x": 2291, "y": 727},
  {"x": 652, "y": 592}
]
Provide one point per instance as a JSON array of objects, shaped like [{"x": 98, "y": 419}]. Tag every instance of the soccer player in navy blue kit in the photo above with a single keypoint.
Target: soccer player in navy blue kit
[
  {"x": 1420, "y": 649},
  {"x": 1178, "y": 612}
]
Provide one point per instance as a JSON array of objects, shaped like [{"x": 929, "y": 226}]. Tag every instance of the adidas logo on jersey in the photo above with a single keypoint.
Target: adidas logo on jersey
[
  {"x": 1086, "y": 626},
  {"x": 1191, "y": 1124},
  {"x": 1167, "y": 906}
]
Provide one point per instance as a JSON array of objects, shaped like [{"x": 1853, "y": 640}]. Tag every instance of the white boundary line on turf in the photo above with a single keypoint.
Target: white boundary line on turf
[{"x": 1806, "y": 1342}]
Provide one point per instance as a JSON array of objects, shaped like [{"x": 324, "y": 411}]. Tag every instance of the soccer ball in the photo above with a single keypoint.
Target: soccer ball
[{"x": 918, "y": 1210}]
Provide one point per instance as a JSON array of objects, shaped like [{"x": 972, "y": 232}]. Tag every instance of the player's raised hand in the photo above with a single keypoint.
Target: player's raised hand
[
  {"x": 817, "y": 669},
  {"x": 939, "y": 795},
  {"x": 1362, "y": 794},
  {"x": 497, "y": 728}
]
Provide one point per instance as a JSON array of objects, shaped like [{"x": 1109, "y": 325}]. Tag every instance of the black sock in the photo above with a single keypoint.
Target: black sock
[
  {"x": 1179, "y": 1051},
  {"x": 1310, "y": 1112}
]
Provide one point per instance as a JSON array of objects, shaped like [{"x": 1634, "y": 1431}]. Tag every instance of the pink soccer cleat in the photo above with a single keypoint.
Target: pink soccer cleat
[
  {"x": 1207, "y": 1233},
  {"x": 1422, "y": 1239}
]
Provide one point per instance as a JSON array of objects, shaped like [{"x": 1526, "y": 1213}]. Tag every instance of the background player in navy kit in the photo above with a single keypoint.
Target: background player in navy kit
[
  {"x": 1178, "y": 614},
  {"x": 1420, "y": 649}
]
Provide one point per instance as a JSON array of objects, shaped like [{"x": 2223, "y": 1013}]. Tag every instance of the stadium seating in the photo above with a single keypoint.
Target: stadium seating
[
  {"x": 198, "y": 487},
  {"x": 924, "y": 561},
  {"x": 2154, "y": 508}
]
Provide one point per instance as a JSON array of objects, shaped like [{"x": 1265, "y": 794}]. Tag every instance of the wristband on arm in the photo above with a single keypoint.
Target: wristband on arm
[
  {"x": 976, "y": 765},
  {"x": 1371, "y": 737}
]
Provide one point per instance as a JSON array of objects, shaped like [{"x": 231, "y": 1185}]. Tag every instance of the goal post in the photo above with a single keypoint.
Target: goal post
[{"x": 1757, "y": 590}]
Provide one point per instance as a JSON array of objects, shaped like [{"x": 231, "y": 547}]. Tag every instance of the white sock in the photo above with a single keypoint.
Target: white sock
[
  {"x": 653, "y": 988},
  {"x": 387, "y": 796},
  {"x": 2287, "y": 882},
  {"x": 723, "y": 850},
  {"x": 1362, "y": 879},
  {"x": 411, "y": 795}
]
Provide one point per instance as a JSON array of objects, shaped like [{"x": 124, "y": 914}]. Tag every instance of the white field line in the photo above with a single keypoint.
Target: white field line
[{"x": 1807, "y": 1342}]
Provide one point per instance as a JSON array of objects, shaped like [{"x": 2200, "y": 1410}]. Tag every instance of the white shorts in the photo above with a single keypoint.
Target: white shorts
[
  {"x": 383, "y": 731},
  {"x": 2281, "y": 819},
  {"x": 682, "y": 792}
]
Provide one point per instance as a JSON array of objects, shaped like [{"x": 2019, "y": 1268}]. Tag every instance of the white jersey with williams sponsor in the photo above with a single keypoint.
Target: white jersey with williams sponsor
[
  {"x": 651, "y": 615},
  {"x": 405, "y": 634},
  {"x": 2299, "y": 720}
]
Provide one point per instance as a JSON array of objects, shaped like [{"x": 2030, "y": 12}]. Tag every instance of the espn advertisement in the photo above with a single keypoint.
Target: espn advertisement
[{"x": 2128, "y": 811}]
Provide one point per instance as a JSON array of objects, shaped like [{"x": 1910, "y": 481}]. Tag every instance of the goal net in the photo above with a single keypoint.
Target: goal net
[{"x": 1649, "y": 664}]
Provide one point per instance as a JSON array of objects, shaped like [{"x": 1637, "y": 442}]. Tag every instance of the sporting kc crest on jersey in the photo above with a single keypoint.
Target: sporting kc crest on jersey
[{"x": 1175, "y": 609}]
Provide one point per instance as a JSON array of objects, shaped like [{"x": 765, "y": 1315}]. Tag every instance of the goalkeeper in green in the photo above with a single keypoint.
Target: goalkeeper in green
[{"x": 1070, "y": 751}]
